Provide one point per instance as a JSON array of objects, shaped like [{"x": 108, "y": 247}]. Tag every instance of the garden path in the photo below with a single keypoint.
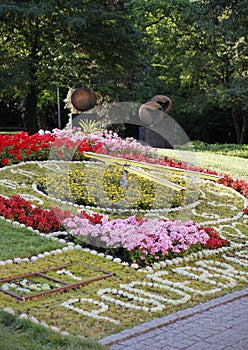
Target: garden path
[{"x": 220, "y": 324}]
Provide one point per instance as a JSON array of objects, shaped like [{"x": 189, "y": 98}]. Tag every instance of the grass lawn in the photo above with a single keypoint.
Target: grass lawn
[
  {"x": 237, "y": 167},
  {"x": 20, "y": 242},
  {"x": 21, "y": 334},
  {"x": 229, "y": 149}
]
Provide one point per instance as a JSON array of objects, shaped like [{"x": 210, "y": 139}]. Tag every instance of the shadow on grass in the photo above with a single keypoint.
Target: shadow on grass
[{"x": 22, "y": 334}]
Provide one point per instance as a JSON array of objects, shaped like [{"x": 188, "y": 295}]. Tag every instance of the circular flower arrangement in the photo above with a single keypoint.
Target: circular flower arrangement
[
  {"x": 112, "y": 187},
  {"x": 165, "y": 248}
]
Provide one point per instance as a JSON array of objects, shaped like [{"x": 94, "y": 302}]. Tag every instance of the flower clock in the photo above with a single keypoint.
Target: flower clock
[{"x": 128, "y": 230}]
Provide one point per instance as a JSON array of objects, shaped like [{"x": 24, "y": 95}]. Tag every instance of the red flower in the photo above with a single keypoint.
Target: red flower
[
  {"x": 214, "y": 241},
  {"x": 245, "y": 210},
  {"x": 60, "y": 154},
  {"x": 5, "y": 161}
]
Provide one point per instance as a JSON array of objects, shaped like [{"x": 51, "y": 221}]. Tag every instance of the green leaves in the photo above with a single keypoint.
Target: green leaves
[{"x": 57, "y": 43}]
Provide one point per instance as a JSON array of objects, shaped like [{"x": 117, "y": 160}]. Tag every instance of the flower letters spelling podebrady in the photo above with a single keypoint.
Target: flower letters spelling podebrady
[{"x": 212, "y": 276}]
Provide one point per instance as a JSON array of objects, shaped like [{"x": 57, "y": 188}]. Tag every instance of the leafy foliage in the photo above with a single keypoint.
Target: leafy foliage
[{"x": 53, "y": 43}]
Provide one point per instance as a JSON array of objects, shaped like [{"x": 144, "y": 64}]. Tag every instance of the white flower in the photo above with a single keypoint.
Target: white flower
[
  {"x": 93, "y": 252},
  {"x": 9, "y": 310},
  {"x": 34, "y": 320},
  {"x": 24, "y": 316},
  {"x": 134, "y": 266},
  {"x": 109, "y": 257},
  {"x": 9, "y": 261},
  {"x": 34, "y": 258}
]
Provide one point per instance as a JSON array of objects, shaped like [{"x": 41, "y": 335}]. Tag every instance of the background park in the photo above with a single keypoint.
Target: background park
[{"x": 195, "y": 52}]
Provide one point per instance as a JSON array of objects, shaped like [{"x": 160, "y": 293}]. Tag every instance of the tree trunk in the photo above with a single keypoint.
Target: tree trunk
[
  {"x": 236, "y": 125},
  {"x": 241, "y": 126},
  {"x": 31, "y": 100},
  {"x": 42, "y": 121},
  {"x": 244, "y": 129},
  {"x": 30, "y": 111}
]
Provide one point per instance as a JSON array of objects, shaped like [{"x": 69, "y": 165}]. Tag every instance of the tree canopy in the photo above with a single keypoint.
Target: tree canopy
[
  {"x": 46, "y": 44},
  {"x": 195, "y": 51}
]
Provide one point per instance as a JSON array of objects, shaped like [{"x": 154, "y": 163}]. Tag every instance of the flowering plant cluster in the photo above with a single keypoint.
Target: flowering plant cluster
[
  {"x": 111, "y": 144},
  {"x": 214, "y": 240},
  {"x": 240, "y": 186},
  {"x": 69, "y": 186},
  {"x": 245, "y": 210},
  {"x": 18, "y": 209},
  {"x": 144, "y": 239},
  {"x": 106, "y": 142},
  {"x": 69, "y": 144},
  {"x": 22, "y": 147}
]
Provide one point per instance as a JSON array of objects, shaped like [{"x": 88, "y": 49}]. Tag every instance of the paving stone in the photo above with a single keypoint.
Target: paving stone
[{"x": 216, "y": 325}]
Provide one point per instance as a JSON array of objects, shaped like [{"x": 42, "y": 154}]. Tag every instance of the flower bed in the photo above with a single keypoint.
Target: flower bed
[
  {"x": 71, "y": 143},
  {"x": 144, "y": 240},
  {"x": 104, "y": 187},
  {"x": 168, "y": 280}
]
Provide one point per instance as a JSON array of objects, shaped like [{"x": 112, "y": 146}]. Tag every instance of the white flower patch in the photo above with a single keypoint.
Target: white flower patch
[
  {"x": 95, "y": 313},
  {"x": 31, "y": 198},
  {"x": 26, "y": 173},
  {"x": 242, "y": 259},
  {"x": 221, "y": 194},
  {"x": 185, "y": 271},
  {"x": 183, "y": 297},
  {"x": 134, "y": 298},
  {"x": 226, "y": 271},
  {"x": 229, "y": 192},
  {"x": 227, "y": 228},
  {"x": 68, "y": 273},
  {"x": 218, "y": 221},
  {"x": 11, "y": 184},
  {"x": 205, "y": 215},
  {"x": 137, "y": 297},
  {"x": 214, "y": 204},
  {"x": 26, "y": 286},
  {"x": 204, "y": 275}
]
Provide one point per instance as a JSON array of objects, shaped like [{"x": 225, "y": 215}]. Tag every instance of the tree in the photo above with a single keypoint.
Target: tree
[
  {"x": 221, "y": 36},
  {"x": 197, "y": 54},
  {"x": 53, "y": 43}
]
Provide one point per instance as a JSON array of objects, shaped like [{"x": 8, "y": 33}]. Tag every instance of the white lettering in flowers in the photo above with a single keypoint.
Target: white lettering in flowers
[
  {"x": 26, "y": 173},
  {"x": 95, "y": 313},
  {"x": 187, "y": 271},
  {"x": 11, "y": 184},
  {"x": 225, "y": 269},
  {"x": 214, "y": 275},
  {"x": 242, "y": 260},
  {"x": 70, "y": 274},
  {"x": 210, "y": 272},
  {"x": 231, "y": 227},
  {"x": 138, "y": 297}
]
